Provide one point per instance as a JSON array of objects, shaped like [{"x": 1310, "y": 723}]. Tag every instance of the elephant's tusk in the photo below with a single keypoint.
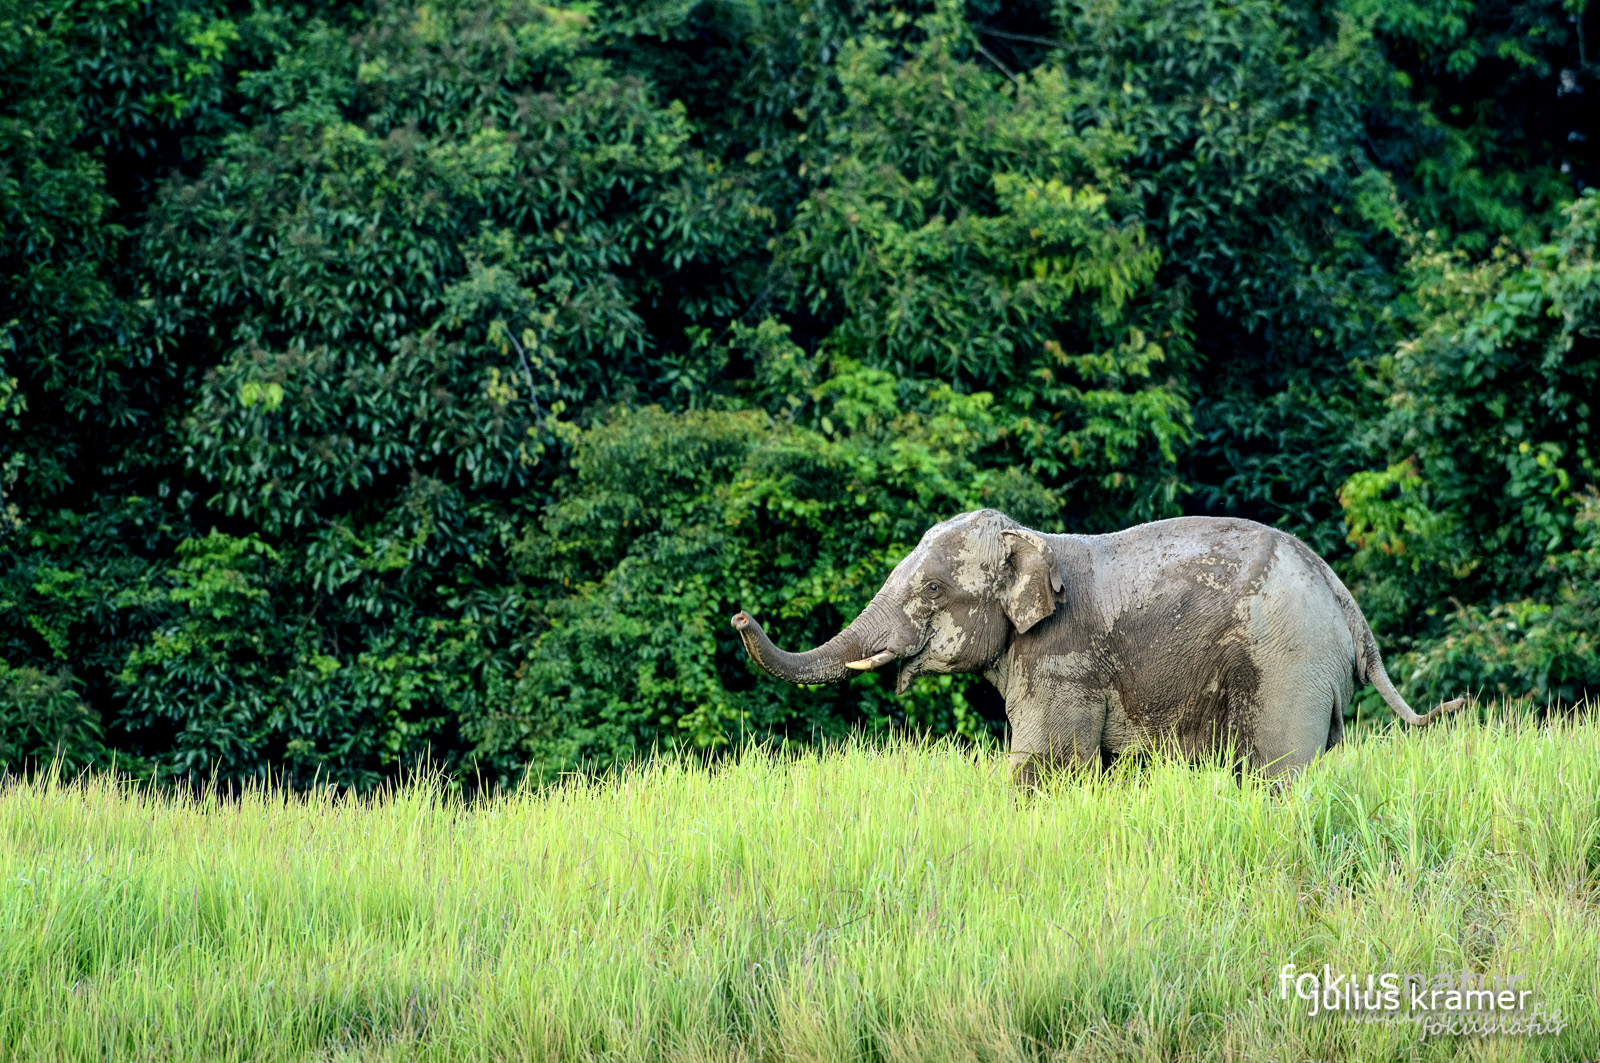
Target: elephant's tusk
[{"x": 877, "y": 660}]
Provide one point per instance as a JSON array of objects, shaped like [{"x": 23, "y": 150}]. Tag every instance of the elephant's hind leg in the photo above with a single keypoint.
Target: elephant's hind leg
[
  {"x": 1298, "y": 715},
  {"x": 1336, "y": 726}
]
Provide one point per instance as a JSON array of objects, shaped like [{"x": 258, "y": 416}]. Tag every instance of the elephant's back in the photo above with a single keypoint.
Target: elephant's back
[{"x": 1205, "y": 556}]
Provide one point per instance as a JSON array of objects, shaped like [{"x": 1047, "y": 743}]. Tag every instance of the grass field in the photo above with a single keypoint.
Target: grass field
[{"x": 888, "y": 903}]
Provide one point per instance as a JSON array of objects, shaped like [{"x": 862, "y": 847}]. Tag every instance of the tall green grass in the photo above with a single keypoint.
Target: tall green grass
[{"x": 888, "y": 903}]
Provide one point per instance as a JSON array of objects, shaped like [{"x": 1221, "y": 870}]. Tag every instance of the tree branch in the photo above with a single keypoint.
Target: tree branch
[
  {"x": 987, "y": 54},
  {"x": 1027, "y": 38}
]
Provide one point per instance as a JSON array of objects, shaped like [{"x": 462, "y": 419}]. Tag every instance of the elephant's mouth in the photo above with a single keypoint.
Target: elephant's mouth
[{"x": 909, "y": 665}]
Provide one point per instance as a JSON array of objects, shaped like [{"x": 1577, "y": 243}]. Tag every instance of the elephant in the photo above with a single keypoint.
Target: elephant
[{"x": 1212, "y": 633}]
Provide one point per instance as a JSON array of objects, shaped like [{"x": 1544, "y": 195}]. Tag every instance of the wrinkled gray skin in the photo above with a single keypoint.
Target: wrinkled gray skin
[{"x": 1198, "y": 630}]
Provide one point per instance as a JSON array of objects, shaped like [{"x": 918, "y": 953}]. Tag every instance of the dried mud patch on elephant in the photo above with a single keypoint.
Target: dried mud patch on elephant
[
  {"x": 1195, "y": 662},
  {"x": 1072, "y": 667}
]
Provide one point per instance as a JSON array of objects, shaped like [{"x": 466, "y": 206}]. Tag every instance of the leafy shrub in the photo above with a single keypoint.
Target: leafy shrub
[
  {"x": 1488, "y": 432},
  {"x": 44, "y": 721},
  {"x": 1545, "y": 648}
]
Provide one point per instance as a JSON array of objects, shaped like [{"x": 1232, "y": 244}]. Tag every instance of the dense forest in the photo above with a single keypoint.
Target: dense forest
[{"x": 435, "y": 377}]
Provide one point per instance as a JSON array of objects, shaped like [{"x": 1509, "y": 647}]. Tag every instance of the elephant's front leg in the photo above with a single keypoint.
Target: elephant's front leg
[{"x": 1055, "y": 723}]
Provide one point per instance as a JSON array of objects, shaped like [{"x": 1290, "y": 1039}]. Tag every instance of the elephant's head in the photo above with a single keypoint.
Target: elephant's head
[{"x": 951, "y": 606}]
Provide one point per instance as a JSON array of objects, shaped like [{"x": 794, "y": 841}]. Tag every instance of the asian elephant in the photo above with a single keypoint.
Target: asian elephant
[{"x": 1198, "y": 630}]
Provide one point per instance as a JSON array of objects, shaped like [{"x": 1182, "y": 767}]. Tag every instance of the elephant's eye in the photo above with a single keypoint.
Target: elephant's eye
[{"x": 933, "y": 588}]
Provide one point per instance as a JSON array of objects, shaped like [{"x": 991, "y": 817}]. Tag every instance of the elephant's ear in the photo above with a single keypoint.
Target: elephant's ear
[{"x": 1030, "y": 582}]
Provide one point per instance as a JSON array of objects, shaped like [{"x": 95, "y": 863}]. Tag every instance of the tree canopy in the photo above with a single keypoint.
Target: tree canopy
[{"x": 405, "y": 379}]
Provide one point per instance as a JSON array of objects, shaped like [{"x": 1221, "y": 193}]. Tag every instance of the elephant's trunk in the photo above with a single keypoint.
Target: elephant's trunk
[{"x": 828, "y": 663}]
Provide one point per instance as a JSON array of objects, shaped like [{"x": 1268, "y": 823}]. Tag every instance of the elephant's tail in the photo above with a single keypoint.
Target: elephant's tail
[
  {"x": 1369, "y": 662},
  {"x": 1379, "y": 677}
]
